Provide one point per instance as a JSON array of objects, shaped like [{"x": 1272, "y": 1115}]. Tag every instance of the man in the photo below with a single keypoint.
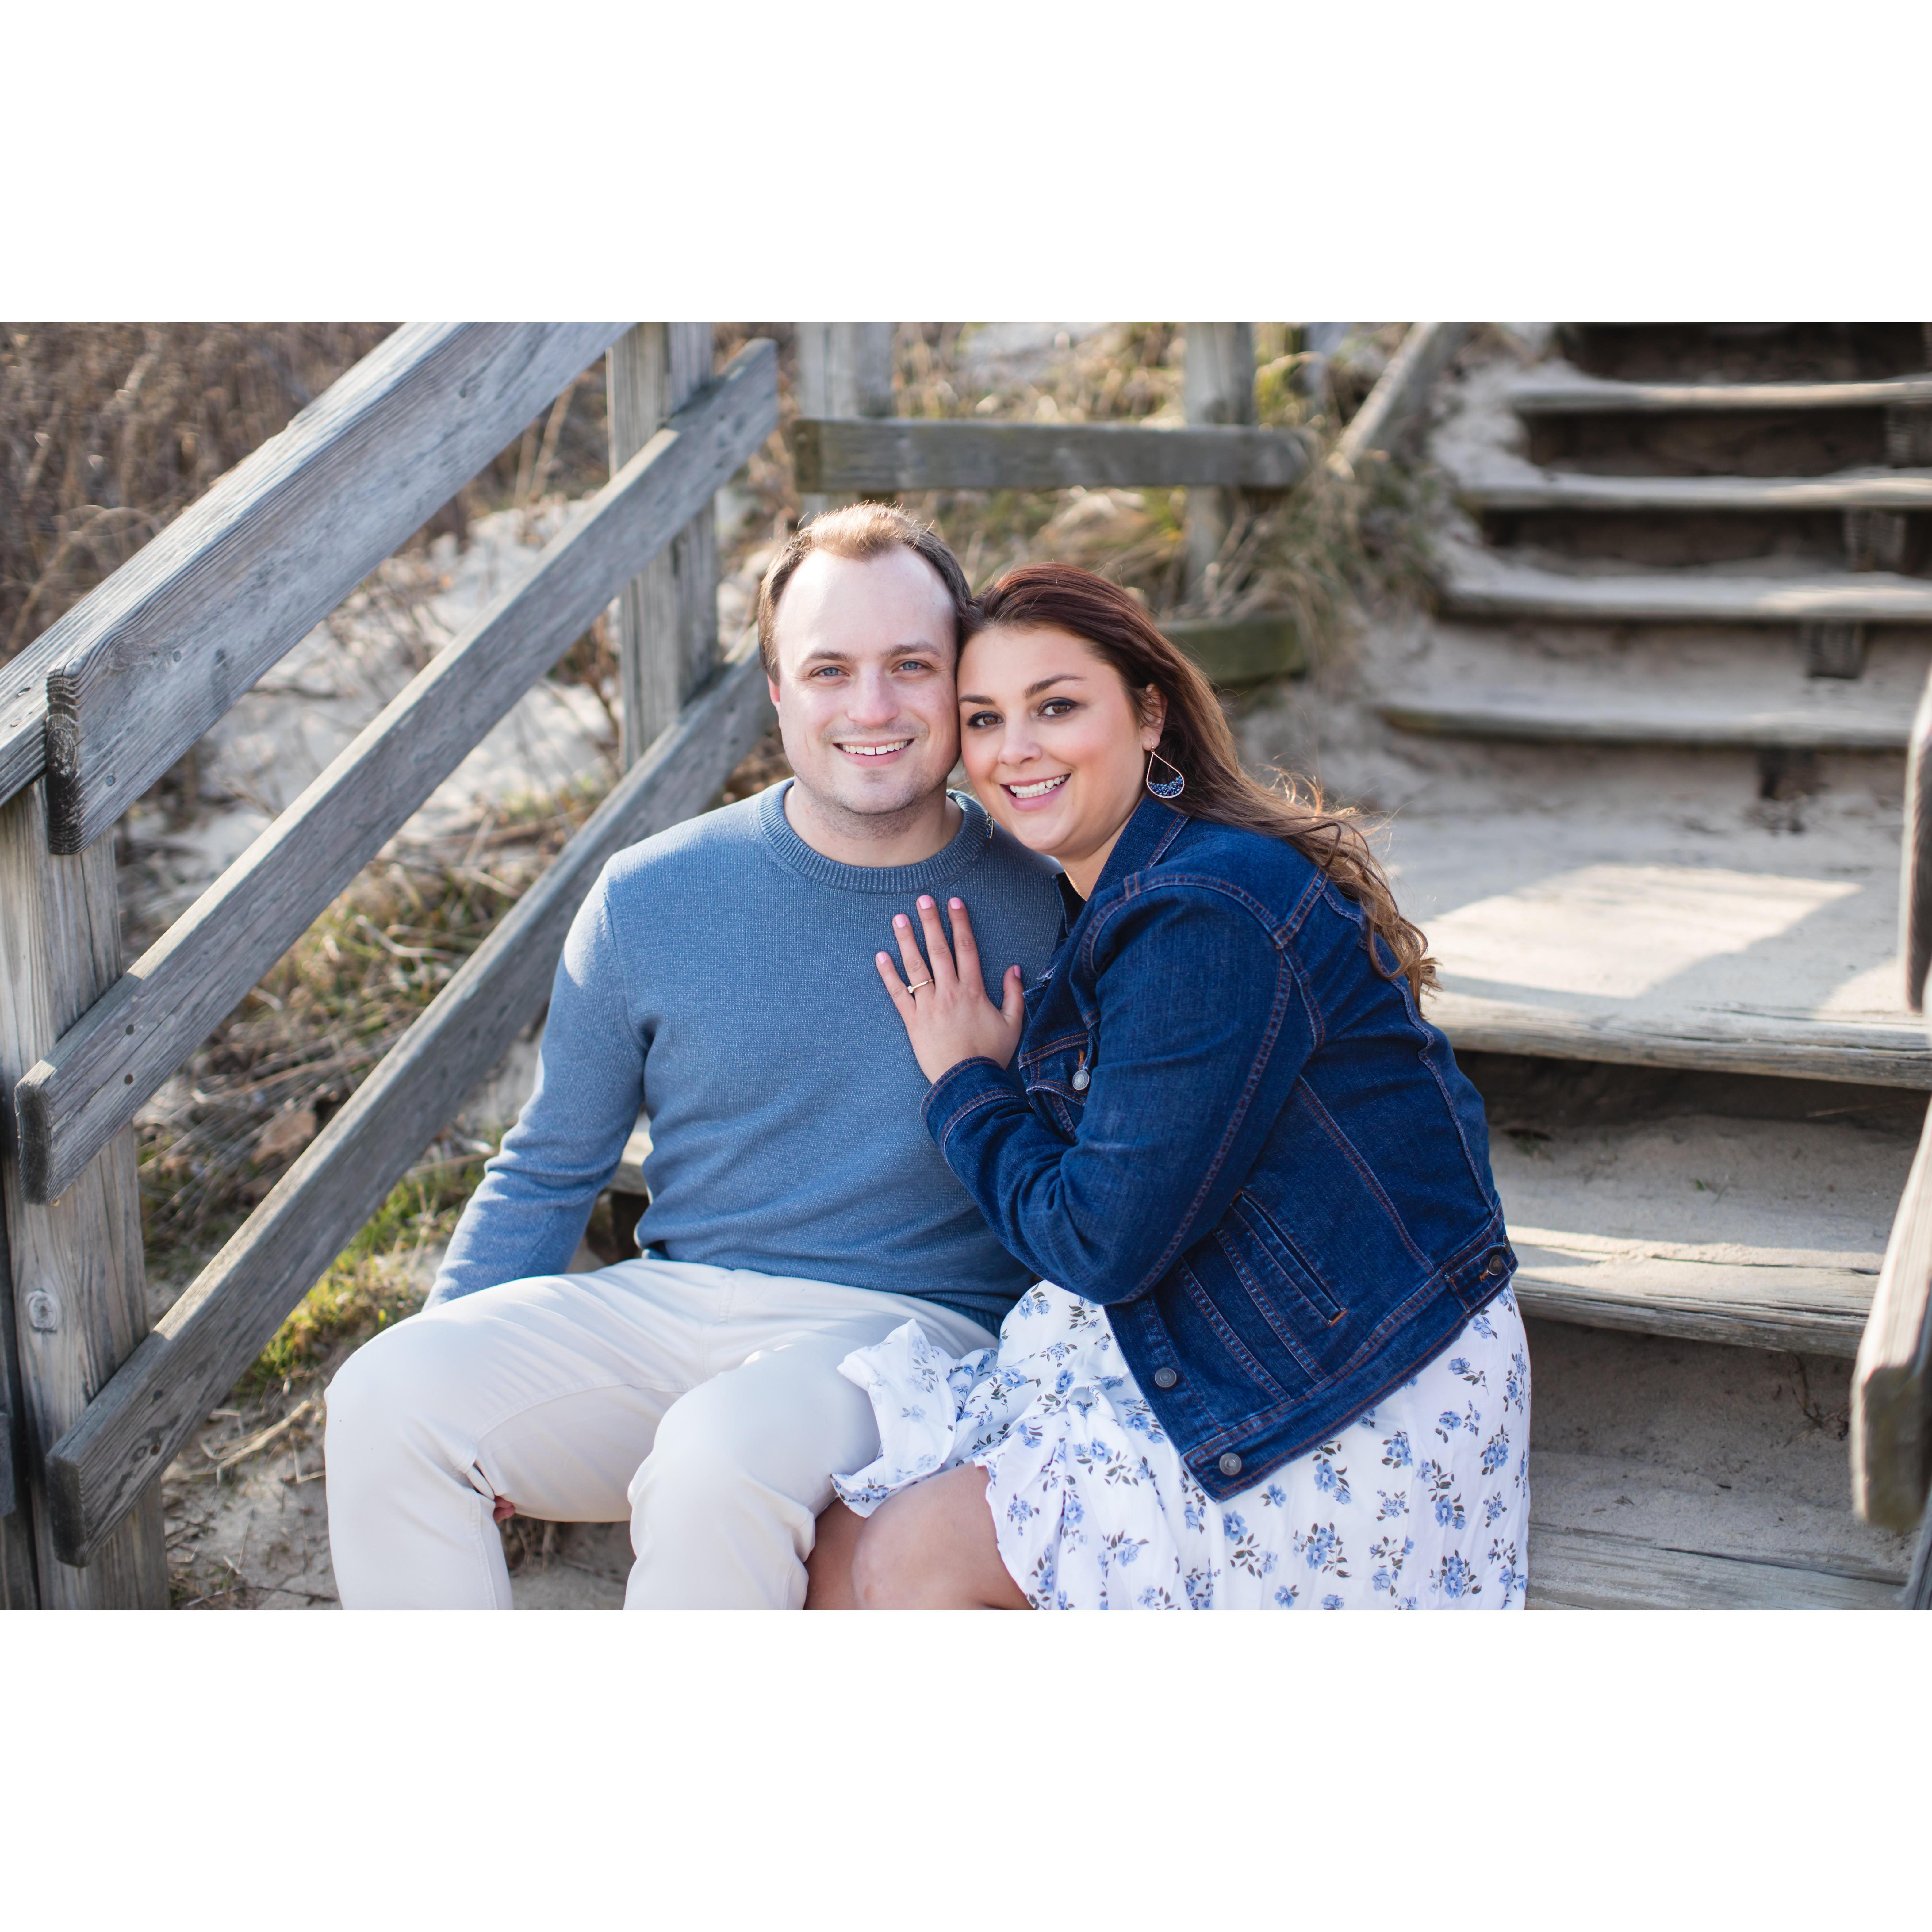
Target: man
[{"x": 721, "y": 975}]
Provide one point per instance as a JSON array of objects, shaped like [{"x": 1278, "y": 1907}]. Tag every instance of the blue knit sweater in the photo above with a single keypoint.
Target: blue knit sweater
[{"x": 721, "y": 976}]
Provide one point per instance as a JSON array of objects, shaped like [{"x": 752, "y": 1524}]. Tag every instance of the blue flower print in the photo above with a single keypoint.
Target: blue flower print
[
  {"x": 1192, "y": 1514},
  {"x": 1285, "y": 1595},
  {"x": 1459, "y": 1367},
  {"x": 1331, "y": 1602},
  {"x": 1020, "y": 1511},
  {"x": 1155, "y": 1597},
  {"x": 1321, "y": 1549},
  {"x": 1448, "y": 1422},
  {"x": 1447, "y": 1505},
  {"x": 1456, "y": 1579},
  {"x": 1329, "y": 1480},
  {"x": 1396, "y": 1504},
  {"x": 1502, "y": 1557},
  {"x": 1395, "y": 1450},
  {"x": 1389, "y": 1561},
  {"x": 1492, "y": 1507},
  {"x": 1232, "y": 1527},
  {"x": 1199, "y": 1585},
  {"x": 1480, "y": 1323},
  {"x": 1495, "y": 1452}
]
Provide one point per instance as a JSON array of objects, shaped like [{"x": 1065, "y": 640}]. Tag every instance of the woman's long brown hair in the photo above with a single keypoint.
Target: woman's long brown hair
[{"x": 1196, "y": 741}]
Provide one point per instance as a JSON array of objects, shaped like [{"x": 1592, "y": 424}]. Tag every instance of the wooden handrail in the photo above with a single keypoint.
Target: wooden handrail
[
  {"x": 135, "y": 674},
  {"x": 1399, "y": 393},
  {"x": 133, "y": 1428},
  {"x": 1891, "y": 1383},
  {"x": 103, "y": 1068},
  {"x": 832, "y": 455}
]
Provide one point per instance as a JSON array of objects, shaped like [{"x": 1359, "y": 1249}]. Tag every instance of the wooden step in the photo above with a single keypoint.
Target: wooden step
[
  {"x": 1593, "y": 1570},
  {"x": 1558, "y": 717},
  {"x": 1476, "y": 585},
  {"x": 1569, "y": 394},
  {"x": 1759, "y": 1233},
  {"x": 1523, "y": 489},
  {"x": 1650, "y": 934}
]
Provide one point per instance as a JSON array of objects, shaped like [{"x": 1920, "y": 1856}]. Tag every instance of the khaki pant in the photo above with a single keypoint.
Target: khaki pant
[{"x": 703, "y": 1404}]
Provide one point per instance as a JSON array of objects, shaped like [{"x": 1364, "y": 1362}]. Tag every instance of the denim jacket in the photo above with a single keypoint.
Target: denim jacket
[{"x": 1231, "y": 1126}]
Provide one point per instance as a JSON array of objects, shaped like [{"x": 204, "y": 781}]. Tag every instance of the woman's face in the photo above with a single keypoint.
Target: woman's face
[{"x": 1055, "y": 743}]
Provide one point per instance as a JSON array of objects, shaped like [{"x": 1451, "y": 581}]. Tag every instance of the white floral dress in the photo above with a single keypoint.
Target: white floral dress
[{"x": 1423, "y": 1502}]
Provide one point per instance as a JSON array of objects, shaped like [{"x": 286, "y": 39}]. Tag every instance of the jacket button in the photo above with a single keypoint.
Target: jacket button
[
  {"x": 1164, "y": 1378},
  {"x": 1231, "y": 1464},
  {"x": 1494, "y": 1265},
  {"x": 1082, "y": 1080}
]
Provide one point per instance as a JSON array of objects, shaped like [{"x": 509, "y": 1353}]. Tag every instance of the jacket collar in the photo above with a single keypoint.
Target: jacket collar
[{"x": 1153, "y": 827}]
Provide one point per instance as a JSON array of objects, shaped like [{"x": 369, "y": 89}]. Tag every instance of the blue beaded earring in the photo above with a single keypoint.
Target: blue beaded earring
[{"x": 1168, "y": 788}]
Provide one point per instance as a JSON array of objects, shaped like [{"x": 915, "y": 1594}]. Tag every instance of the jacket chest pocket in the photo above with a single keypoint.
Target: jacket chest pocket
[
  {"x": 1058, "y": 1075},
  {"x": 1274, "y": 1269}
]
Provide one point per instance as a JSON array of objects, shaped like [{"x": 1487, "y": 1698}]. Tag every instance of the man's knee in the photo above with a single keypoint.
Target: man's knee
[
  {"x": 730, "y": 1436},
  {"x": 380, "y": 1402}
]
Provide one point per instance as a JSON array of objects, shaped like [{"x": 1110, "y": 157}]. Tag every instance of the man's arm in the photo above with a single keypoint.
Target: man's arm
[{"x": 529, "y": 1214}]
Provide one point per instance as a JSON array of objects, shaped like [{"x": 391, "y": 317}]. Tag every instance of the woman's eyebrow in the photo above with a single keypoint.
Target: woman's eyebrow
[{"x": 1032, "y": 690}]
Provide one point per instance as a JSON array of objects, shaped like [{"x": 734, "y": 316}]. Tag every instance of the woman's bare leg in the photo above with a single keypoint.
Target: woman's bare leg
[
  {"x": 932, "y": 1547},
  {"x": 828, "y": 1570}
]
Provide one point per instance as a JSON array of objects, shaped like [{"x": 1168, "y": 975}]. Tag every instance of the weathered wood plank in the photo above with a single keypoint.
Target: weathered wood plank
[
  {"x": 1474, "y": 586},
  {"x": 844, "y": 370},
  {"x": 1793, "y": 1049},
  {"x": 80, "y": 1302},
  {"x": 1241, "y": 650},
  {"x": 1558, "y": 719},
  {"x": 140, "y": 670},
  {"x": 907, "y": 454},
  {"x": 668, "y": 614},
  {"x": 110, "y": 1459},
  {"x": 94, "y": 1077},
  {"x": 1599, "y": 1283},
  {"x": 1891, "y": 1382},
  {"x": 1915, "y": 893},
  {"x": 1401, "y": 393},
  {"x": 1522, "y": 490},
  {"x": 1572, "y": 394},
  {"x": 1217, "y": 388},
  {"x": 20, "y": 1586},
  {"x": 1590, "y": 1570}
]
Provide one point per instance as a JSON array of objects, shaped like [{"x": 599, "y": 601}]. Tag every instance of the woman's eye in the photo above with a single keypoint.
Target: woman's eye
[
  {"x": 1056, "y": 707},
  {"x": 979, "y": 720}
]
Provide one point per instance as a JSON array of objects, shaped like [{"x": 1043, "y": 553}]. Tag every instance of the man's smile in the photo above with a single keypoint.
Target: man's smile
[{"x": 884, "y": 750}]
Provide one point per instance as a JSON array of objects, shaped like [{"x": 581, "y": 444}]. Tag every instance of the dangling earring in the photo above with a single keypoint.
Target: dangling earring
[{"x": 1168, "y": 788}]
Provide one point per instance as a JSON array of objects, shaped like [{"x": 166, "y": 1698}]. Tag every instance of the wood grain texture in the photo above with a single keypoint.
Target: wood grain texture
[
  {"x": 844, "y": 370},
  {"x": 80, "y": 1301},
  {"x": 1892, "y": 1382},
  {"x": 1393, "y": 406},
  {"x": 1573, "y": 394},
  {"x": 1591, "y": 1569},
  {"x": 1217, "y": 388},
  {"x": 139, "y": 670},
  {"x": 1552, "y": 720},
  {"x": 19, "y": 1584},
  {"x": 668, "y": 614},
  {"x": 906, "y": 455},
  {"x": 92, "y": 1080},
  {"x": 108, "y": 1462},
  {"x": 1599, "y": 1283},
  {"x": 1241, "y": 650},
  {"x": 1474, "y": 587},
  {"x": 1554, "y": 491},
  {"x": 1791, "y": 1048},
  {"x": 1915, "y": 885}
]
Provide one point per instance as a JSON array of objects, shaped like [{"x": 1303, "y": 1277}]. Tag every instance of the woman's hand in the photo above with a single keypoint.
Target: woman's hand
[{"x": 948, "y": 1017}]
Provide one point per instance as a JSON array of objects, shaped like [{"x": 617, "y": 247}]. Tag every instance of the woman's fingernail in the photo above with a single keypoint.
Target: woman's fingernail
[
  {"x": 958, "y": 905},
  {"x": 899, "y": 918},
  {"x": 926, "y": 901}
]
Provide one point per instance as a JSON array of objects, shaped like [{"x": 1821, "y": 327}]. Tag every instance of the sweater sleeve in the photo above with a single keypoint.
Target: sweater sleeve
[
  {"x": 1203, "y": 1032},
  {"x": 530, "y": 1213}
]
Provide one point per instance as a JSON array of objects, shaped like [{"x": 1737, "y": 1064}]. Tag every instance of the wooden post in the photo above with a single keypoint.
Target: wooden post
[
  {"x": 1218, "y": 386},
  {"x": 80, "y": 1301},
  {"x": 667, "y": 620},
  {"x": 844, "y": 370},
  {"x": 19, "y": 1587}
]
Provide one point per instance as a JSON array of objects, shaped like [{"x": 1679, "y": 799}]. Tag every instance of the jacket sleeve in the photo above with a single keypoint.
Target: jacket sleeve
[
  {"x": 530, "y": 1213},
  {"x": 1203, "y": 1030}
]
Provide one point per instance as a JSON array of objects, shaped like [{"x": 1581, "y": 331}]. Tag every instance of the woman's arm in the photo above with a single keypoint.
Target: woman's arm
[{"x": 1204, "y": 1029}]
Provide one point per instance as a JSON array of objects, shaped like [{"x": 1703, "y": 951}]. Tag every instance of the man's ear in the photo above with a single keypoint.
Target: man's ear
[{"x": 772, "y": 685}]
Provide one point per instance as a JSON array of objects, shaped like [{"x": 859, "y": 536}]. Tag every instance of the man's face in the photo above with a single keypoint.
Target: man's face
[{"x": 865, "y": 689}]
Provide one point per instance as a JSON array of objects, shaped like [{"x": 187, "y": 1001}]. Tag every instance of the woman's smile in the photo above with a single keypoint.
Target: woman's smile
[{"x": 1035, "y": 790}]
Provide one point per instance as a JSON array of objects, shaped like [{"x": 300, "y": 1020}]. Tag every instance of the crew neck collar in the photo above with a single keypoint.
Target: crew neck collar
[{"x": 930, "y": 875}]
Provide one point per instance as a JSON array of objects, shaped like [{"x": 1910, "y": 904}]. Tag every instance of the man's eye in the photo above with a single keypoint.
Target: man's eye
[{"x": 914, "y": 663}]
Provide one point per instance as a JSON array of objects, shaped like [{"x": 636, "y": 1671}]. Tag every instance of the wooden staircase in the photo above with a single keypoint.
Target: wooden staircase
[{"x": 1646, "y": 763}]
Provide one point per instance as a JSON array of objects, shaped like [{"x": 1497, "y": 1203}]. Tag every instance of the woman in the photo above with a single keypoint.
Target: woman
[{"x": 1273, "y": 1358}]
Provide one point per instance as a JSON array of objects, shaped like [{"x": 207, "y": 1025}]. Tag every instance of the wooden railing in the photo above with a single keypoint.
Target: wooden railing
[
  {"x": 117, "y": 690},
  {"x": 1891, "y": 1383},
  {"x": 121, "y": 687}
]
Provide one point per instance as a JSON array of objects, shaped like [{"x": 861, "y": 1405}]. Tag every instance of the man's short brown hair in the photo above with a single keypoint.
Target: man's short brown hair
[{"x": 858, "y": 531}]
